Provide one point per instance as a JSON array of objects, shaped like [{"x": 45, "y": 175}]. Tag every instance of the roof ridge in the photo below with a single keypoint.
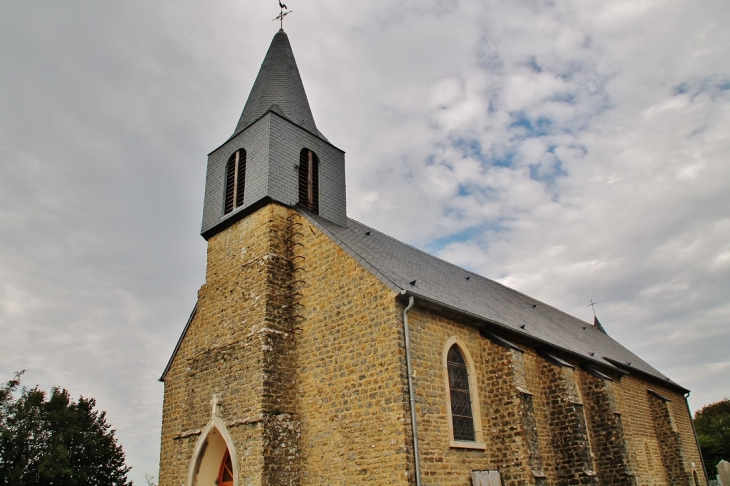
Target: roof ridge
[{"x": 361, "y": 259}]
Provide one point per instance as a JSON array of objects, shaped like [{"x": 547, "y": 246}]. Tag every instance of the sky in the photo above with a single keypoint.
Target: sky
[{"x": 571, "y": 150}]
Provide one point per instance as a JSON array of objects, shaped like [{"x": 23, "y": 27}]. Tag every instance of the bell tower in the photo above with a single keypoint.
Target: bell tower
[
  {"x": 238, "y": 349},
  {"x": 276, "y": 152}
]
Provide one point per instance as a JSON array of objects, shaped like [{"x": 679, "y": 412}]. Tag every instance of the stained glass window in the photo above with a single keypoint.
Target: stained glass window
[{"x": 461, "y": 414}]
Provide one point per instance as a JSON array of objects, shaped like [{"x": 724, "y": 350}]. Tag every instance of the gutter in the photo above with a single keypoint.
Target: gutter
[
  {"x": 697, "y": 440},
  {"x": 411, "y": 391}
]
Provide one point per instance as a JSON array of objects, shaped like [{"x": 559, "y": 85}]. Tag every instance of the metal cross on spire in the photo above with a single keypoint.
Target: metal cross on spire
[
  {"x": 593, "y": 305},
  {"x": 283, "y": 14}
]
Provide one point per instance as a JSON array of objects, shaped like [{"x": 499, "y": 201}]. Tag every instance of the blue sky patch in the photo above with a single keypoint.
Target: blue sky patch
[
  {"x": 709, "y": 85},
  {"x": 506, "y": 160},
  {"x": 534, "y": 66},
  {"x": 538, "y": 172},
  {"x": 469, "y": 147},
  {"x": 472, "y": 233},
  {"x": 568, "y": 98},
  {"x": 681, "y": 88},
  {"x": 472, "y": 148},
  {"x": 534, "y": 128}
]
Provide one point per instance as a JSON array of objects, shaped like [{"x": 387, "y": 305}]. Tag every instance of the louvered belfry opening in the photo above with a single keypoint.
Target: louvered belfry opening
[
  {"x": 235, "y": 180},
  {"x": 309, "y": 180},
  {"x": 461, "y": 414}
]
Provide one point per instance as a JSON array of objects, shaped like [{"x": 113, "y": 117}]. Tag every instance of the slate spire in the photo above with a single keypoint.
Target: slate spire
[
  {"x": 279, "y": 87},
  {"x": 276, "y": 153}
]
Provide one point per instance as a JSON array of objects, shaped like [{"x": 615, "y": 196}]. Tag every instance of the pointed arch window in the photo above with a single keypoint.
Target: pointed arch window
[
  {"x": 225, "y": 476},
  {"x": 309, "y": 180},
  {"x": 465, "y": 427},
  {"x": 235, "y": 180},
  {"x": 461, "y": 414}
]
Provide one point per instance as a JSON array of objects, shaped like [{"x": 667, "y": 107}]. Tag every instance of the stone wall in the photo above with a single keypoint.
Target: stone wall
[
  {"x": 440, "y": 463},
  {"x": 305, "y": 349},
  {"x": 312, "y": 387},
  {"x": 606, "y": 431},
  {"x": 509, "y": 403},
  {"x": 545, "y": 421},
  {"x": 567, "y": 424},
  {"x": 670, "y": 440},
  {"x": 351, "y": 370},
  {"x": 237, "y": 346},
  {"x": 644, "y": 445}
]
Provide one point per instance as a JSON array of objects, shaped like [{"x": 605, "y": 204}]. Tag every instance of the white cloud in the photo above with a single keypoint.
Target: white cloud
[{"x": 572, "y": 150}]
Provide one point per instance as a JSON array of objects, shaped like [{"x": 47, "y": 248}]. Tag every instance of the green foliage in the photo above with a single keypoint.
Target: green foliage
[
  {"x": 56, "y": 440},
  {"x": 712, "y": 423}
]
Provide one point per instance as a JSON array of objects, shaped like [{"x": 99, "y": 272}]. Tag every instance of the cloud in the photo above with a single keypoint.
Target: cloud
[{"x": 571, "y": 150}]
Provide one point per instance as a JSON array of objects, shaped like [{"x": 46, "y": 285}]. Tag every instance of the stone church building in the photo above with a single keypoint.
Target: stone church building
[{"x": 323, "y": 352}]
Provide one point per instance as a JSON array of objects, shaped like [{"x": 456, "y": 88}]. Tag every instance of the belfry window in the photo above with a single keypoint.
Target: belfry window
[
  {"x": 461, "y": 410},
  {"x": 309, "y": 180},
  {"x": 235, "y": 181}
]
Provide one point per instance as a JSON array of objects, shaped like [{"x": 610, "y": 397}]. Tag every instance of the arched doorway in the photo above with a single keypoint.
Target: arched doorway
[{"x": 214, "y": 459}]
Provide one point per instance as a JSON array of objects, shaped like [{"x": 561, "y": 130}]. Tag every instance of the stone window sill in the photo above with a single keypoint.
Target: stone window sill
[{"x": 458, "y": 444}]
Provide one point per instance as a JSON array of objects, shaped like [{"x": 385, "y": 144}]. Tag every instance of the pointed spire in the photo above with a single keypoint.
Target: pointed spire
[
  {"x": 278, "y": 87},
  {"x": 598, "y": 325}
]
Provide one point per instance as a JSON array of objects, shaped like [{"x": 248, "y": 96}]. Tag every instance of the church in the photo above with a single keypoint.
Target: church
[{"x": 323, "y": 352}]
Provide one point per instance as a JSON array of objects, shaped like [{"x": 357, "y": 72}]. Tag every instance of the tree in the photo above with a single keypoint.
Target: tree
[
  {"x": 56, "y": 440},
  {"x": 712, "y": 423}
]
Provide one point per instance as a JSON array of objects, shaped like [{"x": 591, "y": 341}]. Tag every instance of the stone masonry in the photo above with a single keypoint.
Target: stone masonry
[
  {"x": 670, "y": 440},
  {"x": 606, "y": 430},
  {"x": 569, "y": 434},
  {"x": 271, "y": 360},
  {"x": 305, "y": 348},
  {"x": 238, "y": 346}
]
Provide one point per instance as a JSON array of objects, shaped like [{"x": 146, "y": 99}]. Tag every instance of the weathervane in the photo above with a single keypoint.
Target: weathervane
[
  {"x": 593, "y": 305},
  {"x": 283, "y": 14}
]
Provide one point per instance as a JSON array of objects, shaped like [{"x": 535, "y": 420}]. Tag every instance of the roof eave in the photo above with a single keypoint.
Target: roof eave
[
  {"x": 607, "y": 363},
  {"x": 318, "y": 135},
  {"x": 179, "y": 343}
]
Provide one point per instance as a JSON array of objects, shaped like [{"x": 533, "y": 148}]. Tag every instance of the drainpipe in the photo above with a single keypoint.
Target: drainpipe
[
  {"x": 697, "y": 441},
  {"x": 411, "y": 392}
]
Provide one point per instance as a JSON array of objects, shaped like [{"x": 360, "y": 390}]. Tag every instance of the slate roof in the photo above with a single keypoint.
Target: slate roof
[
  {"x": 453, "y": 288},
  {"x": 409, "y": 271},
  {"x": 278, "y": 83}
]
